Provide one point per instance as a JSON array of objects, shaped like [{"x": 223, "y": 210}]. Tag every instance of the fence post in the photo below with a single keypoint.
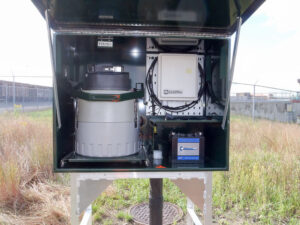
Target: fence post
[
  {"x": 37, "y": 98},
  {"x": 23, "y": 94},
  {"x": 253, "y": 103},
  {"x": 14, "y": 92},
  {"x": 6, "y": 94}
]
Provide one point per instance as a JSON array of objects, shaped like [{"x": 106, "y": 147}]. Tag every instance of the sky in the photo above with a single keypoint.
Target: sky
[
  {"x": 269, "y": 47},
  {"x": 268, "y": 52}
]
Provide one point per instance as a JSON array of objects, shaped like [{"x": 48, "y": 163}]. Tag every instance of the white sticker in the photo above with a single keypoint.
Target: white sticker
[{"x": 105, "y": 44}]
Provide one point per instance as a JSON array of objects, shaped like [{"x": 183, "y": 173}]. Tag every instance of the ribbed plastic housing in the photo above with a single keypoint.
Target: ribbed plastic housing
[{"x": 106, "y": 129}]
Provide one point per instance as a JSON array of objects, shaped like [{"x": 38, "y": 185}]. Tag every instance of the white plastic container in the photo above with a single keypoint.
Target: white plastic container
[{"x": 106, "y": 129}]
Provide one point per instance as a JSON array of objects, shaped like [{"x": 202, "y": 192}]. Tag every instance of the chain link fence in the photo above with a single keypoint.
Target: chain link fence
[
  {"x": 251, "y": 100},
  {"x": 265, "y": 102},
  {"x": 24, "y": 97}
]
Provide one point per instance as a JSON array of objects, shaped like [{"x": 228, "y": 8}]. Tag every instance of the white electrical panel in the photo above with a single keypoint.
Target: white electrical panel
[
  {"x": 197, "y": 110},
  {"x": 152, "y": 53},
  {"x": 178, "y": 77}
]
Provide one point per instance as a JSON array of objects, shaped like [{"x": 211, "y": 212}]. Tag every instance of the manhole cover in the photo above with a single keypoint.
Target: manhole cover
[{"x": 171, "y": 213}]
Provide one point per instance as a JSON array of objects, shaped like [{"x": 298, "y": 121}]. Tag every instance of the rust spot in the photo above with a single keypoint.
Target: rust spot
[
  {"x": 161, "y": 167},
  {"x": 117, "y": 98}
]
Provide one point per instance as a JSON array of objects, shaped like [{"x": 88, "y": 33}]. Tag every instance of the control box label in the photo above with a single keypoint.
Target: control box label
[
  {"x": 105, "y": 44},
  {"x": 188, "y": 149}
]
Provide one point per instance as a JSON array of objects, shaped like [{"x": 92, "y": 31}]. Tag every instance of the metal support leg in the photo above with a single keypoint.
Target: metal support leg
[
  {"x": 207, "y": 211},
  {"x": 87, "y": 217},
  {"x": 83, "y": 192},
  {"x": 156, "y": 201},
  {"x": 199, "y": 193},
  {"x": 85, "y": 187},
  {"x": 191, "y": 215},
  {"x": 74, "y": 200}
]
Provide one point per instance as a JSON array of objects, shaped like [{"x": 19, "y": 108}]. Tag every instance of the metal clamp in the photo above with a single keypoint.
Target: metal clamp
[{"x": 108, "y": 97}]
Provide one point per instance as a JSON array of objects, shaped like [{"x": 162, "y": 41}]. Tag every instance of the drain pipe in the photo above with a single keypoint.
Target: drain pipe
[{"x": 156, "y": 202}]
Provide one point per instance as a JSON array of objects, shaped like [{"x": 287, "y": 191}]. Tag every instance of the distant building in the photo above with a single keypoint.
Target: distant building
[
  {"x": 257, "y": 95},
  {"x": 243, "y": 94},
  {"x": 263, "y": 95}
]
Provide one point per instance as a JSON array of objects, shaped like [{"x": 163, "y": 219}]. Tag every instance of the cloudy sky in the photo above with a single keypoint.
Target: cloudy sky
[
  {"x": 270, "y": 45},
  {"x": 23, "y": 42},
  {"x": 268, "y": 52}
]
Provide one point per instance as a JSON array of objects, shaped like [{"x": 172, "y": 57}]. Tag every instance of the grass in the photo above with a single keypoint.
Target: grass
[
  {"x": 263, "y": 182},
  {"x": 29, "y": 192},
  {"x": 124, "y": 216},
  {"x": 262, "y": 186},
  {"x": 115, "y": 202},
  {"x": 40, "y": 115}
]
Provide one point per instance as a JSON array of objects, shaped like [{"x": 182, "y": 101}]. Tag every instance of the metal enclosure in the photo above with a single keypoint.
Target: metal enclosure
[{"x": 177, "y": 55}]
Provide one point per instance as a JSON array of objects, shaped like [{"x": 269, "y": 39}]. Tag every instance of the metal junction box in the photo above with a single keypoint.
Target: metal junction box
[{"x": 142, "y": 85}]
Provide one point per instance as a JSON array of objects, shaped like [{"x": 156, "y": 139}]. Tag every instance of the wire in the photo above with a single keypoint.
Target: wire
[
  {"x": 210, "y": 90},
  {"x": 206, "y": 86},
  {"x": 154, "y": 98}
]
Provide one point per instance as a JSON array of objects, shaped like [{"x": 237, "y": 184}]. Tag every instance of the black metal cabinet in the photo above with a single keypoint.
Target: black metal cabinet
[{"x": 131, "y": 36}]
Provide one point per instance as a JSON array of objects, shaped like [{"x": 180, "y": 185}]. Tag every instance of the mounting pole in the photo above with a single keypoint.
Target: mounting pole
[
  {"x": 156, "y": 201},
  {"x": 53, "y": 71},
  {"x": 236, "y": 43}
]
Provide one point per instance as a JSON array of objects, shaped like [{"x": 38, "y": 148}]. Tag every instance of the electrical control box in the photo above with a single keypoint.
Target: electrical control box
[
  {"x": 141, "y": 85},
  {"x": 178, "y": 77}
]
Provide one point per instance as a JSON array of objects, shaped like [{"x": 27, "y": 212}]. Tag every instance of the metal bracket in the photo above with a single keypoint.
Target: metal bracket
[
  {"x": 109, "y": 97},
  {"x": 236, "y": 43},
  {"x": 56, "y": 101},
  {"x": 85, "y": 187},
  {"x": 138, "y": 33}
]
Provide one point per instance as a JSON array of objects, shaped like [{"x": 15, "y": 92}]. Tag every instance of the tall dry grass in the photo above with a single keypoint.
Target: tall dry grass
[
  {"x": 263, "y": 183},
  {"x": 262, "y": 186},
  {"x": 28, "y": 194}
]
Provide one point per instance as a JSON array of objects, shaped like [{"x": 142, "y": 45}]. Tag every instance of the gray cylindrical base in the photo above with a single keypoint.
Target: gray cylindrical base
[
  {"x": 156, "y": 201},
  {"x": 106, "y": 129}
]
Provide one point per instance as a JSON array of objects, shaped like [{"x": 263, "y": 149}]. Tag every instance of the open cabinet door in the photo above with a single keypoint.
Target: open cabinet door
[{"x": 210, "y": 16}]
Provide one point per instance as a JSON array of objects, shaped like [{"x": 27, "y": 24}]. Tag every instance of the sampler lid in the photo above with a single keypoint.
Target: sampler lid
[
  {"x": 209, "y": 16},
  {"x": 107, "y": 80}
]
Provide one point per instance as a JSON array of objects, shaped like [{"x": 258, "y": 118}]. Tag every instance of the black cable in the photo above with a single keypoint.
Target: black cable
[
  {"x": 207, "y": 85},
  {"x": 154, "y": 98},
  {"x": 209, "y": 88}
]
